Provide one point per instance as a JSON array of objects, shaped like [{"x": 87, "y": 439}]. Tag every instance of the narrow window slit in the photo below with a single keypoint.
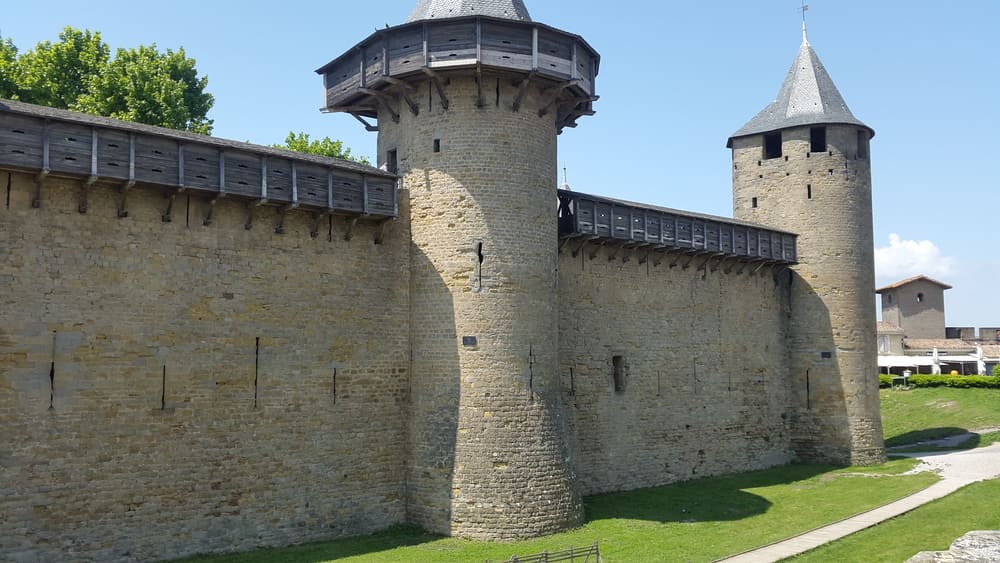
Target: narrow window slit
[
  {"x": 256, "y": 369},
  {"x": 618, "y": 373}
]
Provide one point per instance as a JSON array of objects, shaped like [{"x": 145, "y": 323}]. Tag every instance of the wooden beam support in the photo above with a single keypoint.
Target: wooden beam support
[
  {"x": 404, "y": 91},
  {"x": 317, "y": 219},
  {"x": 84, "y": 192},
  {"x": 593, "y": 251},
  {"x": 36, "y": 198},
  {"x": 550, "y": 96},
  {"x": 211, "y": 208},
  {"x": 522, "y": 88},
  {"x": 349, "y": 234},
  {"x": 380, "y": 230},
  {"x": 167, "y": 216},
  {"x": 368, "y": 126},
  {"x": 279, "y": 229},
  {"x": 123, "y": 190},
  {"x": 613, "y": 253},
  {"x": 438, "y": 85},
  {"x": 383, "y": 100}
]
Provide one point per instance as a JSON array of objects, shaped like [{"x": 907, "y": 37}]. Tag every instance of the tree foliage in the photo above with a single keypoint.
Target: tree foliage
[
  {"x": 147, "y": 86},
  {"x": 300, "y": 142},
  {"x": 140, "y": 84},
  {"x": 8, "y": 56}
]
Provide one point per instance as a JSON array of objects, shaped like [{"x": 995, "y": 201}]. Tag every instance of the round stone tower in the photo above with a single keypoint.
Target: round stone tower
[
  {"x": 802, "y": 164},
  {"x": 469, "y": 98}
]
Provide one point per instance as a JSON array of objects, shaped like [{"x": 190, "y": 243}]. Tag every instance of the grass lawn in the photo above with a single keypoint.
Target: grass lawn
[
  {"x": 693, "y": 521},
  {"x": 927, "y": 413},
  {"x": 931, "y": 527}
]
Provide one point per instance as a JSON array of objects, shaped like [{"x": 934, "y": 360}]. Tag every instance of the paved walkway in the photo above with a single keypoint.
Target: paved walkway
[{"x": 957, "y": 469}]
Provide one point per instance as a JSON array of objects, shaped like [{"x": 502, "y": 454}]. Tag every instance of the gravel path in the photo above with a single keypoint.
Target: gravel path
[{"x": 957, "y": 469}]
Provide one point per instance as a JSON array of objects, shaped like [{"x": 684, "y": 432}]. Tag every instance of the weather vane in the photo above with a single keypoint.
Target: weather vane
[{"x": 804, "y": 9}]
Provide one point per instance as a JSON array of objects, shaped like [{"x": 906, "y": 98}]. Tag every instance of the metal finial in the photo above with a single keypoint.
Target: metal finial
[
  {"x": 804, "y": 9},
  {"x": 565, "y": 183}
]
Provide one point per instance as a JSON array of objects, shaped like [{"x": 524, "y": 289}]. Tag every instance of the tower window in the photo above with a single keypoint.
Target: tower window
[
  {"x": 753, "y": 202},
  {"x": 618, "y": 371},
  {"x": 437, "y": 145},
  {"x": 817, "y": 139},
  {"x": 809, "y": 191},
  {"x": 772, "y": 145},
  {"x": 862, "y": 144},
  {"x": 390, "y": 162}
]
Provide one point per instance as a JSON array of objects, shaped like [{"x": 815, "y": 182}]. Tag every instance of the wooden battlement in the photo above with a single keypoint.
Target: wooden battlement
[
  {"x": 48, "y": 141},
  {"x": 612, "y": 221}
]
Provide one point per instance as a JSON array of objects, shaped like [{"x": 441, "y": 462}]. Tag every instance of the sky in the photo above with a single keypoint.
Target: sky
[{"x": 676, "y": 79}]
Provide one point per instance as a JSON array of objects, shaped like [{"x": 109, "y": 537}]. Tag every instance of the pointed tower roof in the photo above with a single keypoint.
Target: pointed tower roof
[
  {"x": 440, "y": 9},
  {"x": 807, "y": 97}
]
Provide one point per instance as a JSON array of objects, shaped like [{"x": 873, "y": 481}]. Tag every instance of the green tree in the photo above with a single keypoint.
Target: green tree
[
  {"x": 147, "y": 86},
  {"x": 140, "y": 84},
  {"x": 8, "y": 57},
  {"x": 300, "y": 142},
  {"x": 57, "y": 74}
]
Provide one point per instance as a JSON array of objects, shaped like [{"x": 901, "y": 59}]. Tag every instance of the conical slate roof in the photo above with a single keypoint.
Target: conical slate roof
[
  {"x": 438, "y": 9},
  {"x": 807, "y": 97}
]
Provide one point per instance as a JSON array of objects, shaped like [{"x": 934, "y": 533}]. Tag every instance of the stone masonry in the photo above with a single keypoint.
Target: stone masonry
[{"x": 172, "y": 388}]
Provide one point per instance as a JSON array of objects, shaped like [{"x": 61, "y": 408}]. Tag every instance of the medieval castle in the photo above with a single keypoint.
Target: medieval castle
[{"x": 210, "y": 346}]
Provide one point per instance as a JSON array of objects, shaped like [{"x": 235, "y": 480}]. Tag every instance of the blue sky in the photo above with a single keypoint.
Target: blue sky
[{"x": 677, "y": 78}]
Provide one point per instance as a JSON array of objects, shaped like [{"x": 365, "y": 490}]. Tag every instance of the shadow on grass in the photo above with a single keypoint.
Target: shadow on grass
[
  {"x": 704, "y": 500},
  {"x": 391, "y": 538},
  {"x": 908, "y": 438}
]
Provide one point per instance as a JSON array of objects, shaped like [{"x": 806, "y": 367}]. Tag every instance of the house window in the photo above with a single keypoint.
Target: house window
[
  {"x": 888, "y": 298},
  {"x": 817, "y": 139},
  {"x": 920, "y": 298},
  {"x": 883, "y": 344},
  {"x": 772, "y": 145}
]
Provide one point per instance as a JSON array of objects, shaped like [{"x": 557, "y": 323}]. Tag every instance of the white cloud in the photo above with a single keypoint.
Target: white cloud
[{"x": 905, "y": 258}]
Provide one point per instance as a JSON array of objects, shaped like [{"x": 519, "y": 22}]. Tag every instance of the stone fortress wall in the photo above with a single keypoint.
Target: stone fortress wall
[
  {"x": 168, "y": 388},
  {"x": 705, "y": 379},
  {"x": 171, "y": 388}
]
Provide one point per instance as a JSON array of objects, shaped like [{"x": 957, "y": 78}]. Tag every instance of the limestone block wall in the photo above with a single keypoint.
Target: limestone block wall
[
  {"x": 172, "y": 388},
  {"x": 825, "y": 197},
  {"x": 704, "y": 358},
  {"x": 488, "y": 457}
]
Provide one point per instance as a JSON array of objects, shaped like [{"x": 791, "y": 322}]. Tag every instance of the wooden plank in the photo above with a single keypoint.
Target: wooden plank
[
  {"x": 69, "y": 147},
  {"x": 405, "y": 51},
  {"x": 279, "y": 180},
  {"x": 243, "y": 174},
  {"x": 21, "y": 141},
  {"x": 155, "y": 160},
  {"x": 112, "y": 154},
  {"x": 311, "y": 184}
]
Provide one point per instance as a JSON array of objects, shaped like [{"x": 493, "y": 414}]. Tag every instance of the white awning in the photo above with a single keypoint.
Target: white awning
[{"x": 904, "y": 361}]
